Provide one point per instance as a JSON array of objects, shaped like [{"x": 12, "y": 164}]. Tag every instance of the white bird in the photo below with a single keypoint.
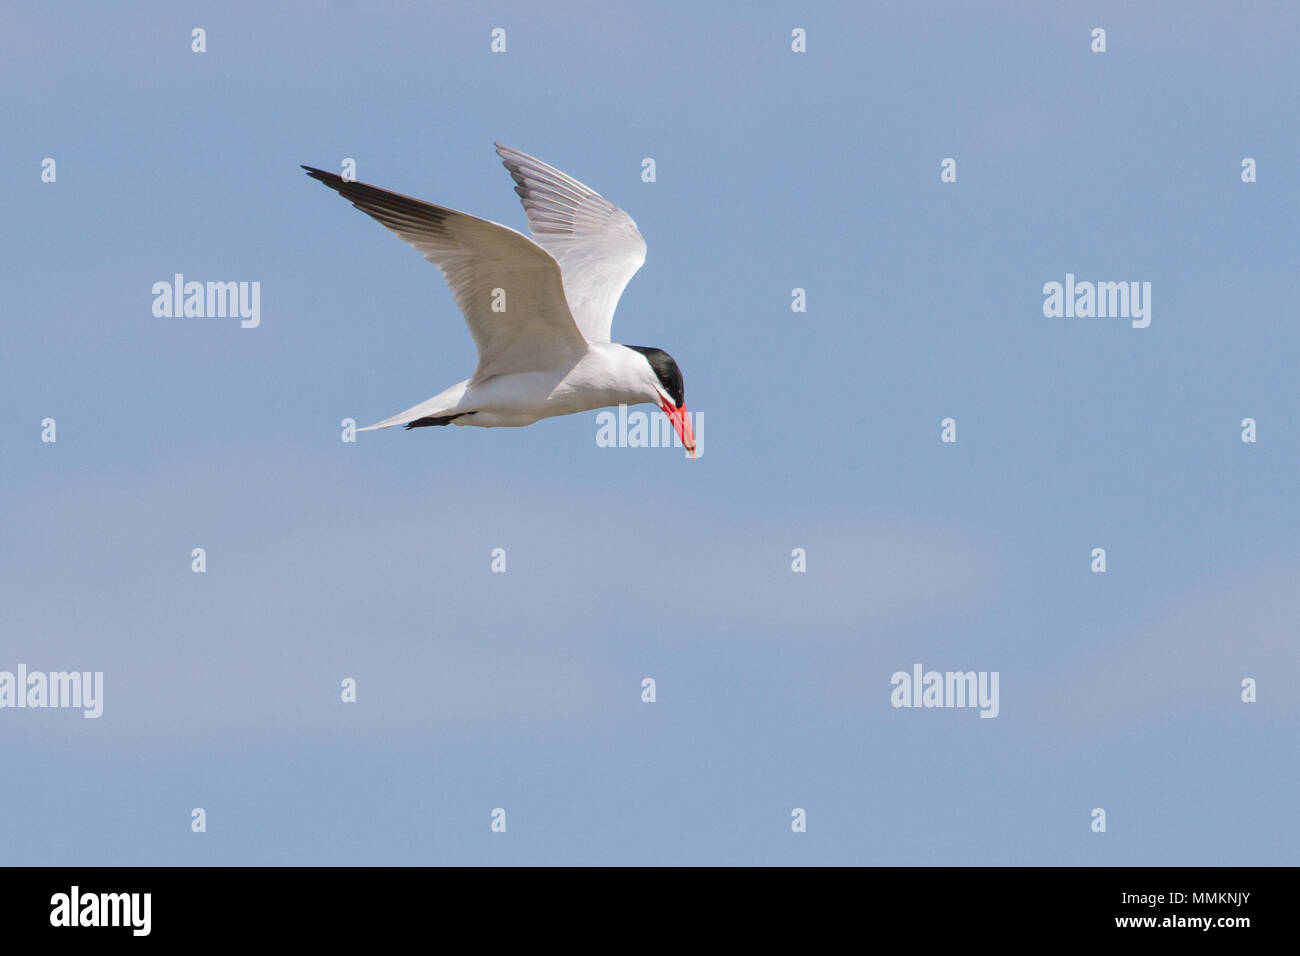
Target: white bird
[{"x": 539, "y": 309}]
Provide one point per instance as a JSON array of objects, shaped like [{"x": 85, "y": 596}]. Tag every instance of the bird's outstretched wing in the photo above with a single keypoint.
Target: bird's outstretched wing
[
  {"x": 596, "y": 244},
  {"x": 508, "y": 287}
]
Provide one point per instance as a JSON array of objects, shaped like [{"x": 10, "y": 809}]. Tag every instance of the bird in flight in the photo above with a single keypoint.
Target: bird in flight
[{"x": 539, "y": 309}]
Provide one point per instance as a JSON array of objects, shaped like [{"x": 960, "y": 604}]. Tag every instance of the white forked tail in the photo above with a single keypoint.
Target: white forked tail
[{"x": 436, "y": 407}]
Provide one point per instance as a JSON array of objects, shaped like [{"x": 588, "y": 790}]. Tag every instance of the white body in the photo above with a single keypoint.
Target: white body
[{"x": 606, "y": 374}]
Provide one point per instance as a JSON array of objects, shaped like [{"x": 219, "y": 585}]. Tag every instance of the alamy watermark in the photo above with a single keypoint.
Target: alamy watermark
[
  {"x": 1100, "y": 300},
  {"x": 210, "y": 300},
  {"x": 638, "y": 429},
  {"x": 75, "y": 908},
  {"x": 922, "y": 688},
  {"x": 84, "y": 689}
]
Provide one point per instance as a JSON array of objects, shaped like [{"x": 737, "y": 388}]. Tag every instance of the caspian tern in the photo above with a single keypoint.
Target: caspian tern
[{"x": 539, "y": 309}]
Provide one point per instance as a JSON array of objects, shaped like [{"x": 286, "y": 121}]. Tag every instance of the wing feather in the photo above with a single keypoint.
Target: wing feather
[
  {"x": 536, "y": 329},
  {"x": 597, "y": 245}
]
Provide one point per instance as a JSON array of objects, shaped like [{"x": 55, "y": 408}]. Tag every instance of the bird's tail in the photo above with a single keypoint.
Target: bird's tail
[{"x": 441, "y": 410}]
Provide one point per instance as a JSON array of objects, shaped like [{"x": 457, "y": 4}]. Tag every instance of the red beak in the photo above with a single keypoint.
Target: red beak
[{"x": 682, "y": 422}]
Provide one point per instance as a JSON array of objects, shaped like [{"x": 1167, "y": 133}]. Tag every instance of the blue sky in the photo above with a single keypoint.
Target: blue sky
[{"x": 522, "y": 690}]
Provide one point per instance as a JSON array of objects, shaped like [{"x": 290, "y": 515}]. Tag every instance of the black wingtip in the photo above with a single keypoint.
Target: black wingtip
[
  {"x": 332, "y": 180},
  {"x": 431, "y": 420},
  {"x": 437, "y": 420}
]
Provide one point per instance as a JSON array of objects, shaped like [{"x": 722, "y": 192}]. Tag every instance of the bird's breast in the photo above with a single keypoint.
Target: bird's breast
[{"x": 523, "y": 398}]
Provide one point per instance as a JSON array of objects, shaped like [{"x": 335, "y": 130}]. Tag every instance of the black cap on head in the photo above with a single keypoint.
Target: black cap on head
[{"x": 666, "y": 370}]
